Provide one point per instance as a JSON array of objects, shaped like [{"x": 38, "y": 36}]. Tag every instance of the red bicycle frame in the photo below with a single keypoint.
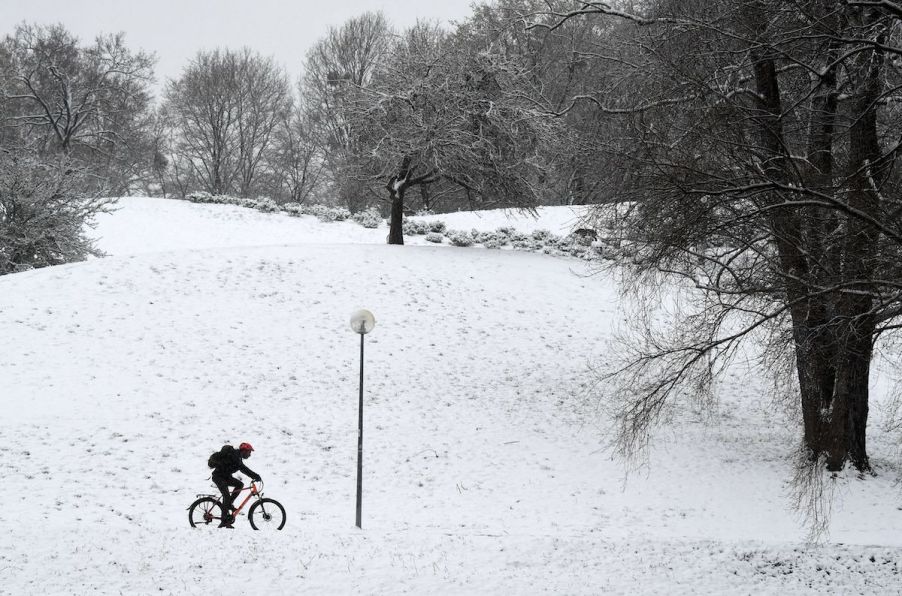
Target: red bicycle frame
[{"x": 253, "y": 489}]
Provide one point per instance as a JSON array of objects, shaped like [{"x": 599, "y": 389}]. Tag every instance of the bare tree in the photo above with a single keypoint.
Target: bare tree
[
  {"x": 264, "y": 103},
  {"x": 759, "y": 139},
  {"x": 226, "y": 106},
  {"x": 90, "y": 102},
  {"x": 295, "y": 163},
  {"x": 73, "y": 128},
  {"x": 440, "y": 111},
  {"x": 338, "y": 64}
]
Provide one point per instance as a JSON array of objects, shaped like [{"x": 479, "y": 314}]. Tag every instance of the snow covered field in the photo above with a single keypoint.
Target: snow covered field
[{"x": 485, "y": 468}]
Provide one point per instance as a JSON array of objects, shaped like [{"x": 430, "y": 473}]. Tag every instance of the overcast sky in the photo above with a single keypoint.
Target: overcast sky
[{"x": 176, "y": 29}]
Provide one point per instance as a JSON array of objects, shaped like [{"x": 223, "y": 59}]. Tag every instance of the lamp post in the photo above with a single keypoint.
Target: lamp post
[{"x": 362, "y": 322}]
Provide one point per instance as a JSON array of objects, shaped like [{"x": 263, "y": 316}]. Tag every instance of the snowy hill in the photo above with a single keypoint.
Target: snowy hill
[{"x": 485, "y": 468}]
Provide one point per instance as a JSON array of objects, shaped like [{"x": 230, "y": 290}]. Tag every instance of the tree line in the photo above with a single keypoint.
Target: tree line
[
  {"x": 429, "y": 117},
  {"x": 424, "y": 118}
]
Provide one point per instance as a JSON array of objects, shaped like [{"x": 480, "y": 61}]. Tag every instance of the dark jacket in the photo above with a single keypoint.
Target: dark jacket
[{"x": 230, "y": 462}]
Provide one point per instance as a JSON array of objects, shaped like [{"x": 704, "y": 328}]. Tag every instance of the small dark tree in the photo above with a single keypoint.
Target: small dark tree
[{"x": 441, "y": 112}]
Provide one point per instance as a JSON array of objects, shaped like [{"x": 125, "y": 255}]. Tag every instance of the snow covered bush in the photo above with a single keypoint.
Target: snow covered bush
[
  {"x": 494, "y": 242},
  {"x": 572, "y": 246},
  {"x": 542, "y": 236},
  {"x": 583, "y": 237},
  {"x": 524, "y": 242},
  {"x": 436, "y": 226},
  {"x": 490, "y": 239},
  {"x": 293, "y": 209},
  {"x": 578, "y": 244},
  {"x": 368, "y": 219},
  {"x": 44, "y": 211},
  {"x": 264, "y": 204},
  {"x": 246, "y": 203},
  {"x": 458, "y": 238},
  {"x": 267, "y": 205},
  {"x": 412, "y": 227},
  {"x": 328, "y": 214},
  {"x": 200, "y": 196}
]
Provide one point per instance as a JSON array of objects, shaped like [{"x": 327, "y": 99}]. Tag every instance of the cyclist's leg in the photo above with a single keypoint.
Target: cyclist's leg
[
  {"x": 237, "y": 490},
  {"x": 222, "y": 482},
  {"x": 228, "y": 498}
]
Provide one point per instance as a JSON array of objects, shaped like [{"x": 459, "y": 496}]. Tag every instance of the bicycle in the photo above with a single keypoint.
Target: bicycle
[{"x": 264, "y": 514}]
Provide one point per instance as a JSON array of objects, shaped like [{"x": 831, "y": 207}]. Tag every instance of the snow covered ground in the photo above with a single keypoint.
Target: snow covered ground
[{"x": 485, "y": 468}]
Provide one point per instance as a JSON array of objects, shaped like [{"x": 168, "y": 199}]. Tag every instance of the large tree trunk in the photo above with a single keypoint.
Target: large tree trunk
[
  {"x": 815, "y": 354},
  {"x": 397, "y": 186},
  {"x": 857, "y": 420},
  {"x": 846, "y": 327},
  {"x": 395, "y": 230},
  {"x": 833, "y": 343},
  {"x": 816, "y": 337},
  {"x": 850, "y": 411},
  {"x": 848, "y": 415}
]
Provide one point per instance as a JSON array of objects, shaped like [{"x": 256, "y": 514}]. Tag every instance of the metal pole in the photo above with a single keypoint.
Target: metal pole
[{"x": 360, "y": 438}]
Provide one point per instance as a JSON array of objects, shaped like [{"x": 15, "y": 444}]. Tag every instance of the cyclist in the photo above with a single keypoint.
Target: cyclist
[{"x": 229, "y": 461}]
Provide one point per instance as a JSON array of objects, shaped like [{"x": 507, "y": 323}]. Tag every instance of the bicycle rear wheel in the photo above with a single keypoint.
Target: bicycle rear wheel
[
  {"x": 206, "y": 512},
  {"x": 266, "y": 514}
]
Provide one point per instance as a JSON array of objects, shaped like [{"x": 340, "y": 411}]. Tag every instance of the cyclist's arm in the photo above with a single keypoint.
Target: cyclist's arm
[{"x": 248, "y": 472}]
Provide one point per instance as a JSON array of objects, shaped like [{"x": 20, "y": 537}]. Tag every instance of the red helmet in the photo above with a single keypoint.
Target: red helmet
[{"x": 245, "y": 447}]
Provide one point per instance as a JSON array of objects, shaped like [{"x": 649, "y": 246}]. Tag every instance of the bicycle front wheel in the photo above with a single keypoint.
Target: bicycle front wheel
[
  {"x": 203, "y": 512},
  {"x": 266, "y": 514}
]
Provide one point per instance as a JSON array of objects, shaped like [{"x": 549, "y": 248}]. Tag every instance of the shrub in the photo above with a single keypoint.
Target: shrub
[
  {"x": 552, "y": 240},
  {"x": 293, "y": 209},
  {"x": 200, "y": 197},
  {"x": 368, "y": 219},
  {"x": 44, "y": 211},
  {"x": 491, "y": 239},
  {"x": 580, "y": 238},
  {"x": 542, "y": 236},
  {"x": 328, "y": 214},
  {"x": 267, "y": 205},
  {"x": 578, "y": 244},
  {"x": 522, "y": 242},
  {"x": 411, "y": 227},
  {"x": 460, "y": 238}
]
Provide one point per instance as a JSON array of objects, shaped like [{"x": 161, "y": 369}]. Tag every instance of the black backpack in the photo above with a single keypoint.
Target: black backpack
[{"x": 218, "y": 457}]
